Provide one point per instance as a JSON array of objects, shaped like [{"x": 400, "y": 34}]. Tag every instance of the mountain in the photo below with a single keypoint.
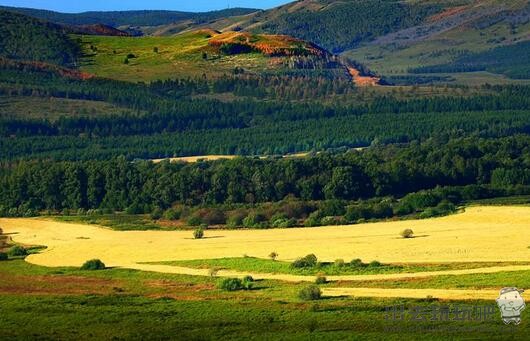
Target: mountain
[
  {"x": 96, "y": 29},
  {"x": 128, "y": 18},
  {"x": 206, "y": 51},
  {"x": 26, "y": 38},
  {"x": 403, "y": 39}
]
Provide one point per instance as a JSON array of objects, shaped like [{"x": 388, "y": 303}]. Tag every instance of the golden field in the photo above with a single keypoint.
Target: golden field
[{"x": 480, "y": 234}]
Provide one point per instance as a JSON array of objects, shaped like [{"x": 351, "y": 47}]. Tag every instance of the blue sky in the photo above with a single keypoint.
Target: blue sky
[{"x": 120, "y": 5}]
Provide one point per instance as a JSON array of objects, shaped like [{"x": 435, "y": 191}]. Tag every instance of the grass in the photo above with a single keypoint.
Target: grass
[
  {"x": 395, "y": 58},
  {"x": 258, "y": 265},
  {"x": 178, "y": 56},
  {"x": 53, "y": 108},
  {"x": 126, "y": 304},
  {"x": 116, "y": 221},
  {"x": 520, "y": 279}
]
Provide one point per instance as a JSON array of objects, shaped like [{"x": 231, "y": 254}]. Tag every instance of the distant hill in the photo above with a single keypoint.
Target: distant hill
[
  {"x": 29, "y": 39},
  {"x": 128, "y": 18},
  {"x": 96, "y": 29},
  {"x": 210, "y": 52},
  {"x": 401, "y": 38}
]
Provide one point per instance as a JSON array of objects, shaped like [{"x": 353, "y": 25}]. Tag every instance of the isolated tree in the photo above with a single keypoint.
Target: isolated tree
[{"x": 273, "y": 255}]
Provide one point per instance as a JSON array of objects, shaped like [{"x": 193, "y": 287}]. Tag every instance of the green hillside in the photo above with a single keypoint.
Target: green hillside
[
  {"x": 201, "y": 52},
  {"x": 25, "y": 38}
]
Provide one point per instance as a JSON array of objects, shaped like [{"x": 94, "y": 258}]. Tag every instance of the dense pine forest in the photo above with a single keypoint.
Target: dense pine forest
[{"x": 416, "y": 138}]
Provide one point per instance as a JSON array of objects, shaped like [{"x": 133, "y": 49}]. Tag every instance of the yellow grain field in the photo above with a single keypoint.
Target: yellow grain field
[{"x": 480, "y": 234}]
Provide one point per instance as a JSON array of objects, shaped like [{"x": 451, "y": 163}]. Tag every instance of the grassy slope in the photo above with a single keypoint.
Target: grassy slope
[
  {"x": 54, "y": 108},
  {"x": 178, "y": 56},
  {"x": 258, "y": 265},
  {"x": 68, "y": 303},
  {"x": 395, "y": 56}
]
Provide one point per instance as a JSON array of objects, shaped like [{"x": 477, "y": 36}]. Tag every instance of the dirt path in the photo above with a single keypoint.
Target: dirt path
[{"x": 444, "y": 294}]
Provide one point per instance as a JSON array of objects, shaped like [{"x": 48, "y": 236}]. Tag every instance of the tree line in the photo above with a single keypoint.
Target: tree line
[{"x": 376, "y": 172}]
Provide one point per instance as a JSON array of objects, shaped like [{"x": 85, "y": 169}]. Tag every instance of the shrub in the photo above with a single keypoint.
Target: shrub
[
  {"x": 339, "y": 263},
  {"x": 231, "y": 284},
  {"x": 283, "y": 223},
  {"x": 308, "y": 261},
  {"x": 429, "y": 213},
  {"x": 248, "y": 278},
  {"x": 313, "y": 220},
  {"x": 172, "y": 214},
  {"x": 375, "y": 264},
  {"x": 273, "y": 255},
  {"x": 155, "y": 49},
  {"x": 329, "y": 220},
  {"x": 157, "y": 214},
  {"x": 310, "y": 293},
  {"x": 213, "y": 272},
  {"x": 332, "y": 208},
  {"x": 357, "y": 263},
  {"x": 17, "y": 251},
  {"x": 235, "y": 219},
  {"x": 194, "y": 220},
  {"x": 321, "y": 279},
  {"x": 130, "y": 55},
  {"x": 407, "y": 233},
  {"x": 3, "y": 256},
  {"x": 211, "y": 216},
  {"x": 93, "y": 264},
  {"x": 134, "y": 208},
  {"x": 198, "y": 233},
  {"x": 248, "y": 282},
  {"x": 253, "y": 220}
]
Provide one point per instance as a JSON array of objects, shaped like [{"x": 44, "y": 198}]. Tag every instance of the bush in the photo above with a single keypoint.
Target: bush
[
  {"x": 17, "y": 251},
  {"x": 235, "y": 219},
  {"x": 93, "y": 264},
  {"x": 429, "y": 213},
  {"x": 157, "y": 214},
  {"x": 332, "y": 208},
  {"x": 283, "y": 223},
  {"x": 273, "y": 255},
  {"x": 194, "y": 220},
  {"x": 211, "y": 216},
  {"x": 130, "y": 55},
  {"x": 198, "y": 233},
  {"x": 313, "y": 220},
  {"x": 308, "y": 261},
  {"x": 330, "y": 220},
  {"x": 310, "y": 293},
  {"x": 172, "y": 214},
  {"x": 357, "y": 263},
  {"x": 321, "y": 279},
  {"x": 253, "y": 220},
  {"x": 375, "y": 264},
  {"x": 339, "y": 263},
  {"x": 3, "y": 256},
  {"x": 248, "y": 282},
  {"x": 407, "y": 233},
  {"x": 231, "y": 284}
]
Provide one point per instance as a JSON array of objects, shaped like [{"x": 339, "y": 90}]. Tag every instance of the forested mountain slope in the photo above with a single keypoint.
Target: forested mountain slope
[
  {"x": 25, "y": 38},
  {"x": 128, "y": 18}
]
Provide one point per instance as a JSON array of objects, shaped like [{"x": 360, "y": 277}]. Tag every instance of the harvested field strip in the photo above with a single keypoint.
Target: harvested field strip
[{"x": 443, "y": 294}]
